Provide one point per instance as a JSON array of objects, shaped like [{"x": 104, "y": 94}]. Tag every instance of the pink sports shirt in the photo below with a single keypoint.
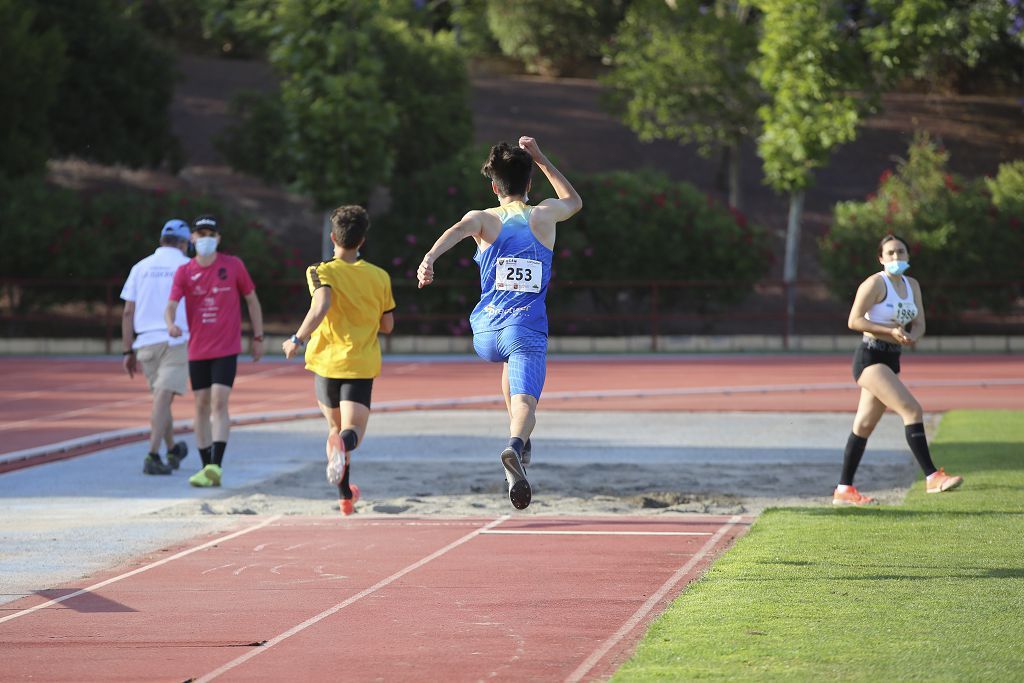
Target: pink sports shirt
[{"x": 213, "y": 296}]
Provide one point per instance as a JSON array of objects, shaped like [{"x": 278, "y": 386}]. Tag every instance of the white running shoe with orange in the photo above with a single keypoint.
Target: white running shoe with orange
[
  {"x": 337, "y": 459},
  {"x": 940, "y": 481},
  {"x": 851, "y": 496}
]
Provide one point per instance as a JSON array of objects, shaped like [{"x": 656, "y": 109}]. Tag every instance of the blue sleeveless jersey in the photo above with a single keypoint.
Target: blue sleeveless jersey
[{"x": 510, "y": 292}]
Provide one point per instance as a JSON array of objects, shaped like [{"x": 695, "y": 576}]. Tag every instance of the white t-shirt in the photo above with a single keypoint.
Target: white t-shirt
[{"x": 149, "y": 286}]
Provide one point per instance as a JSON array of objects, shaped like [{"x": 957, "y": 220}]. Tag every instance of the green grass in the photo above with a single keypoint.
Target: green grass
[{"x": 929, "y": 590}]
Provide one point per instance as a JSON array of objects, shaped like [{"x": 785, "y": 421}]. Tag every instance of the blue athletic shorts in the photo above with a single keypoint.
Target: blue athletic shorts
[{"x": 524, "y": 350}]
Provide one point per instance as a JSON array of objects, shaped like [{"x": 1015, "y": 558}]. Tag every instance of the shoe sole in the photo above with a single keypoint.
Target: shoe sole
[
  {"x": 336, "y": 467},
  {"x": 948, "y": 488},
  {"x": 519, "y": 491},
  {"x": 158, "y": 472}
]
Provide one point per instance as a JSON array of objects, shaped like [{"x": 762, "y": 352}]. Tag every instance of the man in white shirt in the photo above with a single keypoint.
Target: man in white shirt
[{"x": 164, "y": 360}]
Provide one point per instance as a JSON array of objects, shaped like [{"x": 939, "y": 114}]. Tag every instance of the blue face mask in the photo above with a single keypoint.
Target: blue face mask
[
  {"x": 206, "y": 245},
  {"x": 897, "y": 267}
]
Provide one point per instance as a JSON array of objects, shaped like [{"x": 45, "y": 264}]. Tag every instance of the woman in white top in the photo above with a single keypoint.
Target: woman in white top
[{"x": 889, "y": 311}]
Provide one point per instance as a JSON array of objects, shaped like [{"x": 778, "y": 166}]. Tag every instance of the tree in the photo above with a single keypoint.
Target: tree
[
  {"x": 114, "y": 97},
  {"x": 819, "y": 90},
  {"x": 31, "y": 64},
  {"x": 553, "y": 38},
  {"x": 681, "y": 72}
]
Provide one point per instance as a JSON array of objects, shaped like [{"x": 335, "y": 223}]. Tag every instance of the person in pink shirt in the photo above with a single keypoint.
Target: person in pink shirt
[{"x": 213, "y": 285}]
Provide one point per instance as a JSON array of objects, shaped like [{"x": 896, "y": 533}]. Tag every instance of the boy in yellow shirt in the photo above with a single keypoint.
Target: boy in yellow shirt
[{"x": 352, "y": 302}]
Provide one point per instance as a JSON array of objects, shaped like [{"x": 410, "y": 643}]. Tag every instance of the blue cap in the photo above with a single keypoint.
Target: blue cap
[{"x": 176, "y": 228}]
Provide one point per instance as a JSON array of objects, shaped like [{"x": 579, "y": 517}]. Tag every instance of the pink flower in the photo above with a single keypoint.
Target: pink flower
[
  {"x": 431, "y": 220},
  {"x": 659, "y": 199},
  {"x": 410, "y": 274},
  {"x": 452, "y": 190},
  {"x": 397, "y": 261},
  {"x": 588, "y": 251},
  {"x": 565, "y": 253},
  {"x": 884, "y": 178},
  {"x": 410, "y": 238}
]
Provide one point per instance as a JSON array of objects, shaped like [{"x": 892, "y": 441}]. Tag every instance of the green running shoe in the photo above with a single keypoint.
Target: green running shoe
[{"x": 206, "y": 477}]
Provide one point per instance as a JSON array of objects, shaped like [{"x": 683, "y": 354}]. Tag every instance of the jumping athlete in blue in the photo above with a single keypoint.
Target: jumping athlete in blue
[{"x": 510, "y": 325}]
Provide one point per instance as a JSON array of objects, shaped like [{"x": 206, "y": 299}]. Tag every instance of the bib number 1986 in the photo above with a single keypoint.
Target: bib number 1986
[{"x": 518, "y": 274}]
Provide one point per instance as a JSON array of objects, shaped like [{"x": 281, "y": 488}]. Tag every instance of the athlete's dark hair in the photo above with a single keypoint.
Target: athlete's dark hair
[
  {"x": 171, "y": 241},
  {"x": 349, "y": 225},
  {"x": 510, "y": 168},
  {"x": 888, "y": 238}
]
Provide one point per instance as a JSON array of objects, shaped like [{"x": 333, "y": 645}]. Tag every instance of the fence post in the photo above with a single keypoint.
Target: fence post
[
  {"x": 655, "y": 316},
  {"x": 109, "y": 318}
]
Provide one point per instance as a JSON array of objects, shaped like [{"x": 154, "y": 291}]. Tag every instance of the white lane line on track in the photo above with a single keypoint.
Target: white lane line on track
[
  {"x": 342, "y": 605},
  {"x": 151, "y": 565},
  {"x": 590, "y": 662},
  {"x": 554, "y": 532}
]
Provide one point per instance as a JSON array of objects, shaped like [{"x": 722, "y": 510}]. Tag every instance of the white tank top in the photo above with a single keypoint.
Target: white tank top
[{"x": 893, "y": 310}]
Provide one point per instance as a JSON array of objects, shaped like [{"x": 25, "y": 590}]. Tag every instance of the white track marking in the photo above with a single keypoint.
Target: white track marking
[
  {"x": 651, "y": 603},
  {"x": 342, "y": 605},
  {"x": 213, "y": 569},
  {"x": 151, "y": 565},
  {"x": 553, "y": 532}
]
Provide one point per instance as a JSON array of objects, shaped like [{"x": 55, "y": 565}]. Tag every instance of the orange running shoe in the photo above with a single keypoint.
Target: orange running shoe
[
  {"x": 940, "y": 481},
  {"x": 337, "y": 459},
  {"x": 348, "y": 505},
  {"x": 851, "y": 496}
]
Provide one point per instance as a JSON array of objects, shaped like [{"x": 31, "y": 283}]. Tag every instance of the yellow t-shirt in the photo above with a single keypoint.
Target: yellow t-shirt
[{"x": 345, "y": 345}]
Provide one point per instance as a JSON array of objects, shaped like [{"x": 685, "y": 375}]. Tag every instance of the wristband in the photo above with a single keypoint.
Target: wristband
[
  {"x": 128, "y": 352},
  {"x": 257, "y": 337},
  {"x": 294, "y": 339}
]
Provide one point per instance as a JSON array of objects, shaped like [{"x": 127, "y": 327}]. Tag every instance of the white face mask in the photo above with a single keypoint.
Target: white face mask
[{"x": 206, "y": 245}]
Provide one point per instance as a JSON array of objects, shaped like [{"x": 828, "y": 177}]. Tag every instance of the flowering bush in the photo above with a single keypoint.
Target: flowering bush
[
  {"x": 965, "y": 235},
  {"x": 56, "y": 233}
]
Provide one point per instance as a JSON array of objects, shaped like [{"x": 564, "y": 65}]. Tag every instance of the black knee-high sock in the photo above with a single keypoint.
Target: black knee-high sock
[
  {"x": 218, "y": 452},
  {"x": 919, "y": 447},
  {"x": 350, "y": 439},
  {"x": 207, "y": 455},
  {"x": 344, "y": 490},
  {"x": 851, "y": 458}
]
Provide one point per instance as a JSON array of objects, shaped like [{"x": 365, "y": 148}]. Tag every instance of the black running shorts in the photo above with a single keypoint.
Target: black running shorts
[
  {"x": 205, "y": 373},
  {"x": 866, "y": 355},
  {"x": 331, "y": 392}
]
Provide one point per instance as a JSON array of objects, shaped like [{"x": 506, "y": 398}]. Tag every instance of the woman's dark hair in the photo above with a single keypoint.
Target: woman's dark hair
[
  {"x": 349, "y": 225},
  {"x": 888, "y": 238},
  {"x": 510, "y": 168}
]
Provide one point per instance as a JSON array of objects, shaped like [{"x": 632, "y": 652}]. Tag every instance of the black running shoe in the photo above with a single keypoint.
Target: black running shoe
[
  {"x": 153, "y": 465},
  {"x": 177, "y": 454},
  {"x": 519, "y": 492}
]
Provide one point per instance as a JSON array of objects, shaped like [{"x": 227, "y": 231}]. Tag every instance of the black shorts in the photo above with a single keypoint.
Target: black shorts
[
  {"x": 205, "y": 373},
  {"x": 331, "y": 392},
  {"x": 872, "y": 353}
]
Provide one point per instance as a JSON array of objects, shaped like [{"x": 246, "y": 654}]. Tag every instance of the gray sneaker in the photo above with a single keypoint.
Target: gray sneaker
[
  {"x": 153, "y": 465},
  {"x": 177, "y": 454}
]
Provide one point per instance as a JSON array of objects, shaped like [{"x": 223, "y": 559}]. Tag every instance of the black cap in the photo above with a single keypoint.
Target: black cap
[{"x": 205, "y": 222}]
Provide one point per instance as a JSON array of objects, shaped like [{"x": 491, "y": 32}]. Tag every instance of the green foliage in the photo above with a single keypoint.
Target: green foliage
[
  {"x": 960, "y": 231},
  {"x": 683, "y": 74},
  {"x": 114, "y": 98},
  {"x": 197, "y": 25},
  {"x": 31, "y": 64},
  {"x": 811, "y": 72},
  {"x": 553, "y": 38},
  {"x": 936, "y": 40},
  {"x": 366, "y": 98},
  {"x": 644, "y": 225},
  {"x": 56, "y": 233},
  {"x": 468, "y": 19}
]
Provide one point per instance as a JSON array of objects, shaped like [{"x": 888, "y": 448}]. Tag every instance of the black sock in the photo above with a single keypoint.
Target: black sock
[
  {"x": 919, "y": 447},
  {"x": 528, "y": 446},
  {"x": 344, "y": 490},
  {"x": 517, "y": 444},
  {"x": 851, "y": 458},
  {"x": 350, "y": 439},
  {"x": 155, "y": 456},
  {"x": 206, "y": 454},
  {"x": 218, "y": 452}
]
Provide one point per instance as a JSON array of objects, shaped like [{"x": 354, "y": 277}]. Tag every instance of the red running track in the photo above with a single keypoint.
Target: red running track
[
  {"x": 538, "y": 599},
  {"x": 48, "y": 400}
]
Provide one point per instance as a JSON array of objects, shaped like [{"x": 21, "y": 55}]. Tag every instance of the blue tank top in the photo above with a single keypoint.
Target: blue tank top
[{"x": 514, "y": 275}]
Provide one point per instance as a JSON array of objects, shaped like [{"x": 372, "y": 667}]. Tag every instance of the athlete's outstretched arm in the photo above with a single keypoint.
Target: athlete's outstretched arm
[
  {"x": 318, "y": 307},
  {"x": 469, "y": 226},
  {"x": 569, "y": 201}
]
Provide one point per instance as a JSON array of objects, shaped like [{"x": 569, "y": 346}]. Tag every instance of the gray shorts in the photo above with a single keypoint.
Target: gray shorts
[{"x": 165, "y": 366}]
